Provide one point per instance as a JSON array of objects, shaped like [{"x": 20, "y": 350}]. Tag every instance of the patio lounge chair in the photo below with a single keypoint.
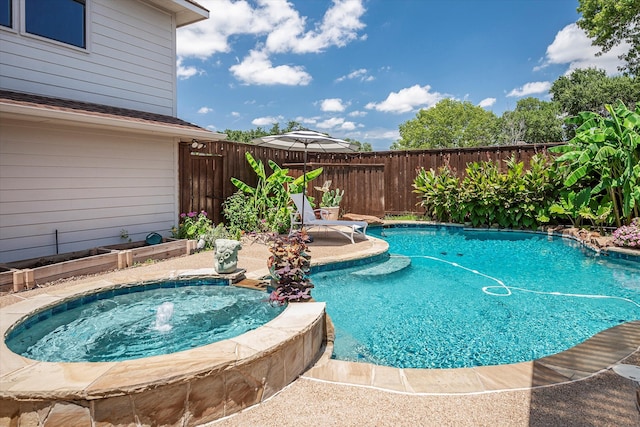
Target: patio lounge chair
[{"x": 346, "y": 228}]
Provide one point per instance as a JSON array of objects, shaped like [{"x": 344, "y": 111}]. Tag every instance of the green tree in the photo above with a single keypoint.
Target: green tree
[
  {"x": 449, "y": 123},
  {"x": 590, "y": 90},
  {"x": 612, "y": 22},
  {"x": 533, "y": 121},
  {"x": 362, "y": 146}
]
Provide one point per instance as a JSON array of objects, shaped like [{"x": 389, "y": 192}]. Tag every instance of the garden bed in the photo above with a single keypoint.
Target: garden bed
[
  {"x": 26, "y": 274},
  {"x": 31, "y": 272},
  {"x": 140, "y": 252}
]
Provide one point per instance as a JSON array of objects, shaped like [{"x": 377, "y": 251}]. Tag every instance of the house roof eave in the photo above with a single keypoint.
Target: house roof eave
[
  {"x": 186, "y": 11},
  {"x": 79, "y": 119}
]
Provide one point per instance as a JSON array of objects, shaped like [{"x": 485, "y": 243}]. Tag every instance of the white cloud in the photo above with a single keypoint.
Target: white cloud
[
  {"x": 330, "y": 123},
  {"x": 530, "y": 89},
  {"x": 332, "y": 105},
  {"x": 407, "y": 99},
  {"x": 266, "y": 121},
  {"x": 357, "y": 113},
  {"x": 487, "y": 102},
  {"x": 307, "y": 120},
  {"x": 235, "y": 114},
  {"x": 205, "y": 110},
  {"x": 361, "y": 74},
  {"x": 572, "y": 46},
  {"x": 348, "y": 126},
  {"x": 257, "y": 69},
  {"x": 278, "y": 28},
  {"x": 185, "y": 72}
]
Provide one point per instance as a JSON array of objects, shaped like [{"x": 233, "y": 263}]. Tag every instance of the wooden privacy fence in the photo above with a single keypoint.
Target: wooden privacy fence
[{"x": 375, "y": 183}]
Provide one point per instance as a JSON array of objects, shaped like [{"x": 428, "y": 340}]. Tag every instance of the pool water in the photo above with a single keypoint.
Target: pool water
[
  {"x": 143, "y": 323},
  {"x": 476, "y": 298}
]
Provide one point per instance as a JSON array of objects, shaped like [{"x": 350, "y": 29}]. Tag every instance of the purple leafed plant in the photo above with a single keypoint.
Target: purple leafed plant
[
  {"x": 289, "y": 266},
  {"x": 628, "y": 235}
]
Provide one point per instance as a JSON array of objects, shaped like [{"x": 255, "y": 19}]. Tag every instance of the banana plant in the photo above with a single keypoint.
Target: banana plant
[
  {"x": 605, "y": 155},
  {"x": 572, "y": 204},
  {"x": 270, "y": 196}
]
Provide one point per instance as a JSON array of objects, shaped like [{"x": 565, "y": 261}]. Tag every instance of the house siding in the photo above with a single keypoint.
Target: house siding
[
  {"x": 129, "y": 61},
  {"x": 86, "y": 184}
]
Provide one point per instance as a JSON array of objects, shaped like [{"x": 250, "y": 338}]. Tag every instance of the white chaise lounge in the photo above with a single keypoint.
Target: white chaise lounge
[{"x": 346, "y": 228}]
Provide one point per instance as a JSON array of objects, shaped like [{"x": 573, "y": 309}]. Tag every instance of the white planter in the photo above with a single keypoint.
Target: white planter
[{"x": 334, "y": 212}]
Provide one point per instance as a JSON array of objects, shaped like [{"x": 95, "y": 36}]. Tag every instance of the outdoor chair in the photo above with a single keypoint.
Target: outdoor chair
[{"x": 346, "y": 228}]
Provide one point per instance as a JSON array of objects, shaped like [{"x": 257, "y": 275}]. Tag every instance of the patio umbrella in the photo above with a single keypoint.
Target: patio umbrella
[{"x": 306, "y": 140}]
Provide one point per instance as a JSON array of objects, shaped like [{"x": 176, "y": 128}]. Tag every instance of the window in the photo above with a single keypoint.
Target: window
[
  {"x": 6, "y": 13},
  {"x": 61, "y": 20}
]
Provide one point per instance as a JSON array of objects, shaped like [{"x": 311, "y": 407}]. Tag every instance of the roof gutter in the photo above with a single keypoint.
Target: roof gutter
[{"x": 79, "y": 119}]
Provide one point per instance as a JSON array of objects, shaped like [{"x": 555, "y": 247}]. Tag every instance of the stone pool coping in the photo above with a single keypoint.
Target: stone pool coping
[{"x": 591, "y": 357}]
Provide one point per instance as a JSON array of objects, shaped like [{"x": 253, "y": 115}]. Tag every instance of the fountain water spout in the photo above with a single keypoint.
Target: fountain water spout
[{"x": 163, "y": 316}]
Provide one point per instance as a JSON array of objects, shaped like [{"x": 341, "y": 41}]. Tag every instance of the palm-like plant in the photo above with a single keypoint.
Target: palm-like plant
[{"x": 606, "y": 153}]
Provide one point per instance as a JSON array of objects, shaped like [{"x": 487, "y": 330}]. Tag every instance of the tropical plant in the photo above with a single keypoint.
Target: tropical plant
[
  {"x": 289, "y": 266},
  {"x": 269, "y": 199},
  {"x": 604, "y": 156},
  {"x": 438, "y": 192},
  {"x": 571, "y": 205},
  {"x": 486, "y": 196}
]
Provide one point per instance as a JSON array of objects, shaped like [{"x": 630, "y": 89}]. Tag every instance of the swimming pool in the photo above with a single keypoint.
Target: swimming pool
[{"x": 475, "y": 298}]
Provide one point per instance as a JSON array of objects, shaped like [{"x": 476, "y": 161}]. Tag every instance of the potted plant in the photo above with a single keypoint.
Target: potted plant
[{"x": 330, "y": 201}]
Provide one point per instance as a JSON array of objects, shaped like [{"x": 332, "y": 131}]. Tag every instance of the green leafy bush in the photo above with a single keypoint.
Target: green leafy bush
[
  {"x": 220, "y": 231},
  {"x": 240, "y": 213},
  {"x": 439, "y": 193},
  {"x": 517, "y": 198},
  {"x": 192, "y": 225}
]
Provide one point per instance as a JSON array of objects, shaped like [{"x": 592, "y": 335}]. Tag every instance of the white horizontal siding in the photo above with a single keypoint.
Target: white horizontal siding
[
  {"x": 129, "y": 63},
  {"x": 86, "y": 184}
]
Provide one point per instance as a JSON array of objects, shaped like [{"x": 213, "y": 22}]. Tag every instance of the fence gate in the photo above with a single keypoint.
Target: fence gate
[{"x": 201, "y": 181}]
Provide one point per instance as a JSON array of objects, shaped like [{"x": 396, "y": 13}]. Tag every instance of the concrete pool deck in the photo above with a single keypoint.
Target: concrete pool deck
[{"x": 575, "y": 387}]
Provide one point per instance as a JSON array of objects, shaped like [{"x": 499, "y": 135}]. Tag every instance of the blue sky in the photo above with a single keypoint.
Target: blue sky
[{"x": 360, "y": 68}]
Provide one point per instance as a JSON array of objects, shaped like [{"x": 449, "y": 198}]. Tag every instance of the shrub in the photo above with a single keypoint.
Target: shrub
[
  {"x": 628, "y": 235},
  {"x": 240, "y": 213},
  {"x": 218, "y": 232},
  {"x": 512, "y": 199},
  {"x": 193, "y": 225},
  {"x": 438, "y": 192}
]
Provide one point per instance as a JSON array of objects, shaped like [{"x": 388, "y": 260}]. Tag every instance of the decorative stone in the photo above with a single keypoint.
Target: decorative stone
[{"x": 226, "y": 255}]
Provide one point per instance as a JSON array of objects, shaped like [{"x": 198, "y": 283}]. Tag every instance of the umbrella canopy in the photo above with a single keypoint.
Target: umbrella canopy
[{"x": 306, "y": 140}]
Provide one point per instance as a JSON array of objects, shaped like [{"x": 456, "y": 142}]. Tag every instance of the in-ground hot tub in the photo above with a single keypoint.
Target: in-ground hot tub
[{"x": 189, "y": 387}]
